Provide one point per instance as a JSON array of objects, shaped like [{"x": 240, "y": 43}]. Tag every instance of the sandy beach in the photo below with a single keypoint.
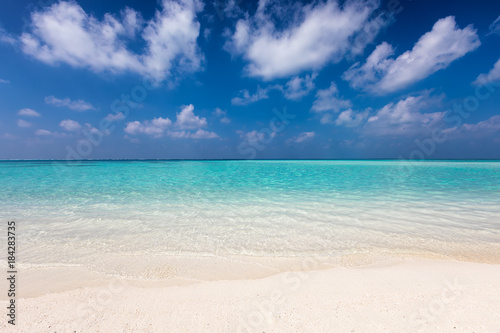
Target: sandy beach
[
  {"x": 407, "y": 296},
  {"x": 176, "y": 249},
  {"x": 250, "y": 166}
]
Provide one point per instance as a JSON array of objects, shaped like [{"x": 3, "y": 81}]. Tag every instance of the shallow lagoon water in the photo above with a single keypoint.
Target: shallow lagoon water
[{"x": 99, "y": 214}]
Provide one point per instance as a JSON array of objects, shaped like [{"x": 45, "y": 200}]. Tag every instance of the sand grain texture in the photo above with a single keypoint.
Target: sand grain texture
[{"x": 416, "y": 296}]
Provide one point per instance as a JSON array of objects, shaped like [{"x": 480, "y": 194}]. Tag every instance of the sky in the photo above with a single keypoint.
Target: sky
[{"x": 186, "y": 79}]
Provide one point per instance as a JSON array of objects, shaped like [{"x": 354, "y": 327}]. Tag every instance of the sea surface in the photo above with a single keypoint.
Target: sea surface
[{"x": 94, "y": 214}]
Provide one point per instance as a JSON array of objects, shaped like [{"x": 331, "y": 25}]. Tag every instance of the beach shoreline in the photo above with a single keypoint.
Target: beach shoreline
[
  {"x": 407, "y": 295},
  {"x": 313, "y": 246}
]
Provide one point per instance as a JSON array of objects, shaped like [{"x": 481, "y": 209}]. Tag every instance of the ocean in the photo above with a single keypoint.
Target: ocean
[{"x": 103, "y": 215}]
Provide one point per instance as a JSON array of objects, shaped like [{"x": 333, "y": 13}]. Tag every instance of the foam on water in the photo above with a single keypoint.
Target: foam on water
[{"x": 104, "y": 214}]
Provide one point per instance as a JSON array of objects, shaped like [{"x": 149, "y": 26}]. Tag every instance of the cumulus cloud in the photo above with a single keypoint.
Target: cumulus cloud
[
  {"x": 405, "y": 117},
  {"x": 43, "y": 132},
  {"x": 304, "y": 136},
  {"x": 172, "y": 39},
  {"x": 308, "y": 36},
  {"x": 218, "y": 112},
  {"x": 23, "y": 123},
  {"x": 296, "y": 88},
  {"x": 186, "y": 120},
  {"x": 482, "y": 128},
  {"x": 299, "y": 87},
  {"x": 230, "y": 8},
  {"x": 435, "y": 50},
  {"x": 28, "y": 113},
  {"x": 78, "y": 105},
  {"x": 246, "y": 98},
  {"x": 202, "y": 134},
  {"x": 115, "y": 117},
  {"x": 350, "y": 118},
  {"x": 492, "y": 76},
  {"x": 70, "y": 125},
  {"x": 222, "y": 115},
  {"x": 47, "y": 133},
  {"x": 206, "y": 33},
  {"x": 65, "y": 33},
  {"x": 91, "y": 129},
  {"x": 328, "y": 103},
  {"x": 155, "y": 127},
  {"x": 254, "y": 138}
]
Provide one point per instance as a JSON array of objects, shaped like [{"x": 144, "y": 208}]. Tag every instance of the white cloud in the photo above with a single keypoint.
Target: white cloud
[
  {"x": 222, "y": 115},
  {"x": 492, "y": 76},
  {"x": 4, "y": 81},
  {"x": 43, "y": 132},
  {"x": 312, "y": 35},
  {"x": 231, "y": 8},
  {"x": 199, "y": 134},
  {"x": 78, "y": 105},
  {"x": 296, "y": 88},
  {"x": 159, "y": 127},
  {"x": 161, "y": 122},
  {"x": 482, "y": 128},
  {"x": 28, "y": 113},
  {"x": 65, "y": 33},
  {"x": 206, "y": 33},
  {"x": 9, "y": 136},
  {"x": 132, "y": 140},
  {"x": 254, "y": 137},
  {"x": 328, "y": 102},
  {"x": 495, "y": 26},
  {"x": 304, "y": 136},
  {"x": 435, "y": 50},
  {"x": 115, "y": 117},
  {"x": 202, "y": 134},
  {"x": 171, "y": 39},
  {"x": 91, "y": 129},
  {"x": 179, "y": 134},
  {"x": 155, "y": 127},
  {"x": 218, "y": 112},
  {"x": 377, "y": 62},
  {"x": 405, "y": 117},
  {"x": 350, "y": 118},
  {"x": 299, "y": 87},
  {"x": 492, "y": 124},
  {"x": 70, "y": 125},
  {"x": 23, "y": 123},
  {"x": 186, "y": 119},
  {"x": 6, "y": 37},
  {"x": 246, "y": 98},
  {"x": 135, "y": 127}
]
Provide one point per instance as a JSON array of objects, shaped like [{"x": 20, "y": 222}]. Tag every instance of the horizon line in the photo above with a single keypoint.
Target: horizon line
[{"x": 255, "y": 159}]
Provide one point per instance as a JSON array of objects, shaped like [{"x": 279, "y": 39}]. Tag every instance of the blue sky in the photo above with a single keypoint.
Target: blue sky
[{"x": 249, "y": 79}]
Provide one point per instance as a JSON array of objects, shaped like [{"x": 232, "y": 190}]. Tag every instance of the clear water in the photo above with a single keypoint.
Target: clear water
[{"x": 91, "y": 213}]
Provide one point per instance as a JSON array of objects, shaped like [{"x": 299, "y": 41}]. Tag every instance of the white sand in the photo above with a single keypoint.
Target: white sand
[{"x": 415, "y": 296}]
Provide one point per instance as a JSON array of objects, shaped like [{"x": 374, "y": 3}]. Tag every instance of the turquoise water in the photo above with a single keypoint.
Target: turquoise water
[{"x": 83, "y": 213}]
